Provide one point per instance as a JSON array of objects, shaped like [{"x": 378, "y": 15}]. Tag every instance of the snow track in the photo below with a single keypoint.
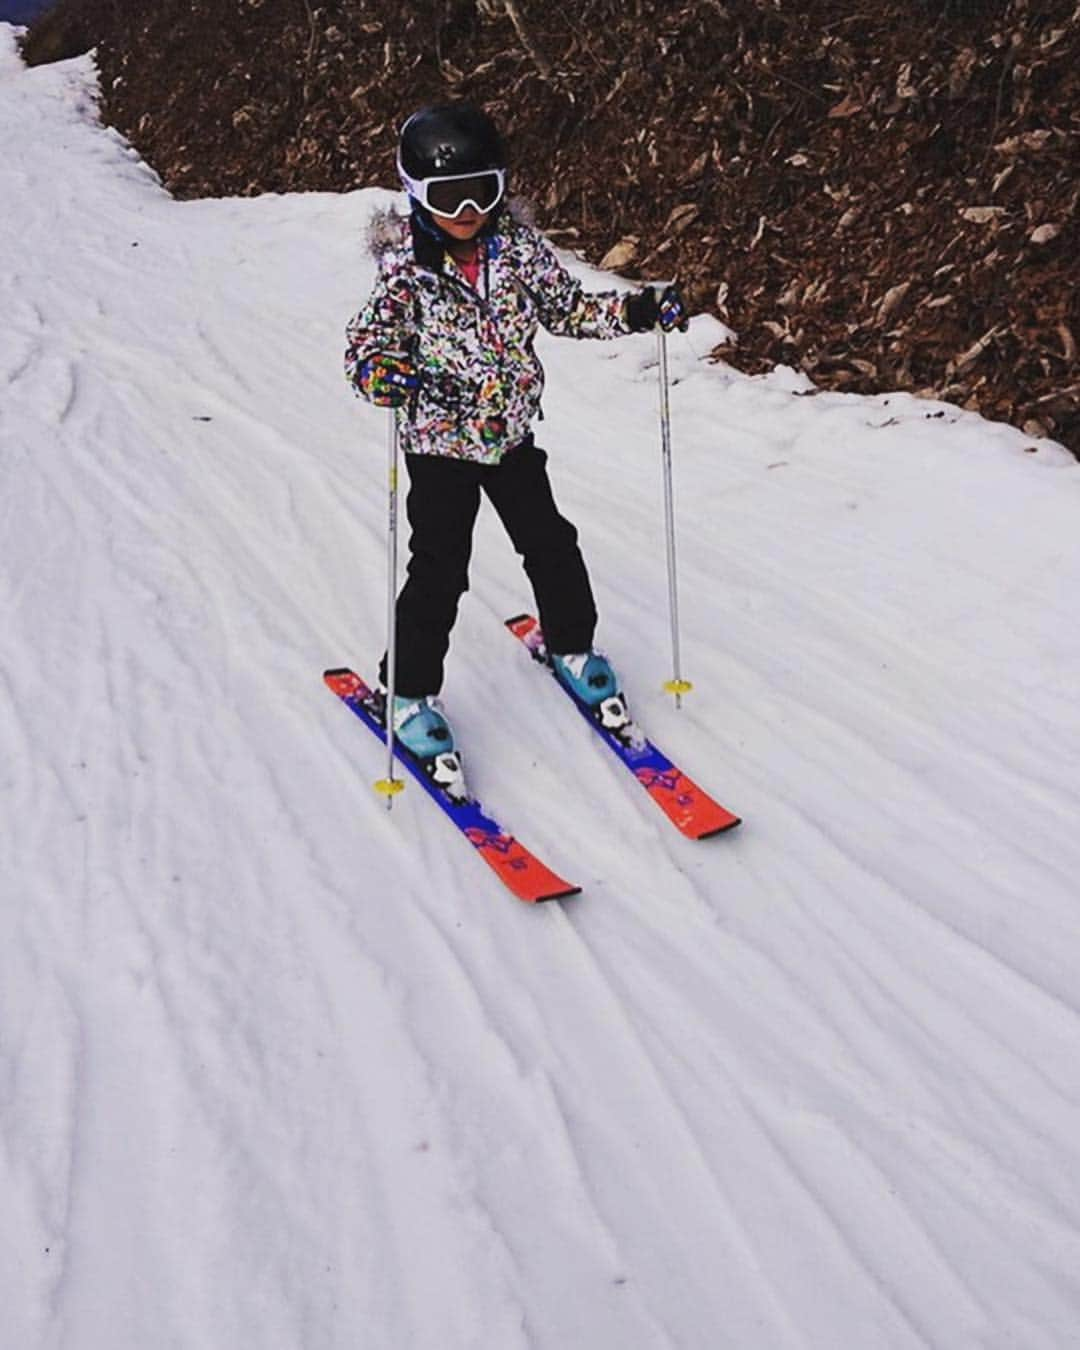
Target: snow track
[{"x": 280, "y": 1070}]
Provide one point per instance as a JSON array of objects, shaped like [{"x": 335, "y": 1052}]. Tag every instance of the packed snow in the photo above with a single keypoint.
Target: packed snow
[{"x": 281, "y": 1069}]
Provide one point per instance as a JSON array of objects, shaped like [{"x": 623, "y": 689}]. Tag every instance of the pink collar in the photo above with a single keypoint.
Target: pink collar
[{"x": 471, "y": 270}]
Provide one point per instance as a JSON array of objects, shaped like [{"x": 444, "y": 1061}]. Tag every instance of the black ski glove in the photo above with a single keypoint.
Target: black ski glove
[{"x": 643, "y": 311}]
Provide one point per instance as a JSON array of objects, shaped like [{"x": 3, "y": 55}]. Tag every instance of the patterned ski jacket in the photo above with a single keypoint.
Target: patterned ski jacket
[{"x": 480, "y": 379}]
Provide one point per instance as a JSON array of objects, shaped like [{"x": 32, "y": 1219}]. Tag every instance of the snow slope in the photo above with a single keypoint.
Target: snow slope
[{"x": 280, "y": 1070}]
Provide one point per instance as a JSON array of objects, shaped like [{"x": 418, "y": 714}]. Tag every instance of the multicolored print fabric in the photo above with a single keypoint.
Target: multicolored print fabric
[{"x": 480, "y": 379}]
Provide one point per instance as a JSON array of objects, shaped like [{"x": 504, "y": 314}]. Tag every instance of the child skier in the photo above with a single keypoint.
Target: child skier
[{"x": 446, "y": 339}]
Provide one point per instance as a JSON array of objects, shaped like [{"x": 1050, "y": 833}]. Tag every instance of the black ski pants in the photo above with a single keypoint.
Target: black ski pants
[{"x": 442, "y": 505}]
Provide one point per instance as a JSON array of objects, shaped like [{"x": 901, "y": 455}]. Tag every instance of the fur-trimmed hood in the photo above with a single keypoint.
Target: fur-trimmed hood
[{"x": 389, "y": 229}]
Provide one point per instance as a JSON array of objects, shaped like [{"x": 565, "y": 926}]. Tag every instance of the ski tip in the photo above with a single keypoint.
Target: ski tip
[
  {"x": 720, "y": 829},
  {"x": 559, "y": 895}
]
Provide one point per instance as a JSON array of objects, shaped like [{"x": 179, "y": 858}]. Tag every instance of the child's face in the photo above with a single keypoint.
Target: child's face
[{"x": 465, "y": 226}]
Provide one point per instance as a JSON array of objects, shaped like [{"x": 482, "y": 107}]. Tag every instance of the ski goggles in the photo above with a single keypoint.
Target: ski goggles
[{"x": 450, "y": 196}]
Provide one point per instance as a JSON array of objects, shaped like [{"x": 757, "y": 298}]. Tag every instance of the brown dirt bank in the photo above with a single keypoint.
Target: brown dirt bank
[{"x": 882, "y": 194}]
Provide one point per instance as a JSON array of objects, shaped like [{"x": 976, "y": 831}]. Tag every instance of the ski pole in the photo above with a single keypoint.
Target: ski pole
[
  {"x": 390, "y": 786},
  {"x": 676, "y": 685}
]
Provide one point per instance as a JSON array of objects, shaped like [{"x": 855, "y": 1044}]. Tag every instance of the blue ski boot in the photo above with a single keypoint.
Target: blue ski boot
[
  {"x": 588, "y": 675},
  {"x": 421, "y": 726}
]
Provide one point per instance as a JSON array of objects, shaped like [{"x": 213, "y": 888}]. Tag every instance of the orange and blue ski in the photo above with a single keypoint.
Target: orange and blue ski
[
  {"x": 685, "y": 804},
  {"x": 518, "y": 870}
]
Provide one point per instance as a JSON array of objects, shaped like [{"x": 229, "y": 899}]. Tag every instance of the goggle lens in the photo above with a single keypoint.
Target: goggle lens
[{"x": 450, "y": 196}]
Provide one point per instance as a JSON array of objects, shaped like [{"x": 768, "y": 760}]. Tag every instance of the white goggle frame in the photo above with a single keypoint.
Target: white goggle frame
[{"x": 418, "y": 188}]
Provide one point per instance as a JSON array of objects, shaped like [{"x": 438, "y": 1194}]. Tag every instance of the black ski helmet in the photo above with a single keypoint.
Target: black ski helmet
[{"x": 449, "y": 139}]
